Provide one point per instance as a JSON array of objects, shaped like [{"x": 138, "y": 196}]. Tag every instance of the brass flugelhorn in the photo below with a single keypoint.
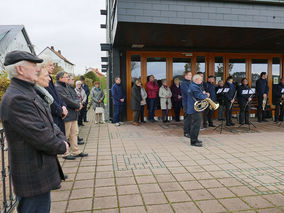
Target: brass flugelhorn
[{"x": 201, "y": 105}]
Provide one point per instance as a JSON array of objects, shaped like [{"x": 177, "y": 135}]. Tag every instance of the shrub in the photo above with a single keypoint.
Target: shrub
[{"x": 4, "y": 83}]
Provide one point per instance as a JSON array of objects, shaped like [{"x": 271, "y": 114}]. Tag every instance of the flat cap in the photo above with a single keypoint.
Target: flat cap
[{"x": 17, "y": 56}]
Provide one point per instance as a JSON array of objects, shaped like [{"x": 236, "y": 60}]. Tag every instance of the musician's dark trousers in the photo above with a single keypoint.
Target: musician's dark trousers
[
  {"x": 195, "y": 119},
  {"x": 187, "y": 124},
  {"x": 260, "y": 112},
  {"x": 278, "y": 109},
  {"x": 165, "y": 115},
  {"x": 229, "y": 111},
  {"x": 244, "y": 113},
  {"x": 221, "y": 110},
  {"x": 207, "y": 116},
  {"x": 177, "y": 107}
]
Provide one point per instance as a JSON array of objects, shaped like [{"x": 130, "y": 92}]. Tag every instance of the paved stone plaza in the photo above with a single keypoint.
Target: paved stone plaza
[{"x": 151, "y": 168}]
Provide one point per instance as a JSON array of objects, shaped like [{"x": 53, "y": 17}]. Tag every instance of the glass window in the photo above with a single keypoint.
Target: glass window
[
  {"x": 135, "y": 68},
  {"x": 219, "y": 68},
  {"x": 158, "y": 68},
  {"x": 275, "y": 70},
  {"x": 180, "y": 65},
  {"x": 200, "y": 64},
  {"x": 237, "y": 69},
  {"x": 257, "y": 66}
]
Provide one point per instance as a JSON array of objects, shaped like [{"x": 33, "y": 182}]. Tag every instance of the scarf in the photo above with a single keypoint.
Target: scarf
[{"x": 46, "y": 96}]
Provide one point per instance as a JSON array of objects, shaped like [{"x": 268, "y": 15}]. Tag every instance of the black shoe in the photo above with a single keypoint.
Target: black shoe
[
  {"x": 80, "y": 142},
  {"x": 259, "y": 121},
  {"x": 264, "y": 120},
  {"x": 197, "y": 144},
  {"x": 212, "y": 125},
  {"x": 242, "y": 123},
  {"x": 81, "y": 125},
  {"x": 247, "y": 123},
  {"x": 199, "y": 141},
  {"x": 143, "y": 121},
  {"x": 232, "y": 124},
  {"x": 65, "y": 177},
  {"x": 69, "y": 157},
  {"x": 164, "y": 121},
  {"x": 186, "y": 135},
  {"x": 204, "y": 125},
  {"x": 80, "y": 139},
  {"x": 227, "y": 124},
  {"x": 82, "y": 154},
  {"x": 86, "y": 121}
]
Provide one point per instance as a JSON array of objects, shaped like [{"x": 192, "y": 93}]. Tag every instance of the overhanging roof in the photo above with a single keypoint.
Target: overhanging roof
[{"x": 198, "y": 38}]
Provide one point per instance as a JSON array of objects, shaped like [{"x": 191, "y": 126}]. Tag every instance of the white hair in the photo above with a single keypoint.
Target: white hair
[
  {"x": 12, "y": 70},
  {"x": 196, "y": 77},
  {"x": 78, "y": 82},
  {"x": 46, "y": 59}
]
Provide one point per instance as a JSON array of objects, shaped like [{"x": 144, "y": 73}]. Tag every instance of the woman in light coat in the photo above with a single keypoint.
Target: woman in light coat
[
  {"x": 98, "y": 96},
  {"x": 165, "y": 95},
  {"x": 143, "y": 103},
  {"x": 83, "y": 97}
]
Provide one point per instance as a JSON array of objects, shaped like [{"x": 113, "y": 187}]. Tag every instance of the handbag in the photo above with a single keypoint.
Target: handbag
[{"x": 99, "y": 110}]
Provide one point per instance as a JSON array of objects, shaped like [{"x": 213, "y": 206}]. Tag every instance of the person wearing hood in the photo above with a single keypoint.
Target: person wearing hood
[{"x": 135, "y": 102}]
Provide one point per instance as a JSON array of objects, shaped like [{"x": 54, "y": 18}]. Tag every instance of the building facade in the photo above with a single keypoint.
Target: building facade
[
  {"x": 58, "y": 58},
  {"x": 221, "y": 38},
  {"x": 13, "y": 37}
]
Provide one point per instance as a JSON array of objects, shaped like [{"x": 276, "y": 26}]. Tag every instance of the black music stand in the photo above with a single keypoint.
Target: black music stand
[
  {"x": 249, "y": 124},
  {"x": 221, "y": 126}
]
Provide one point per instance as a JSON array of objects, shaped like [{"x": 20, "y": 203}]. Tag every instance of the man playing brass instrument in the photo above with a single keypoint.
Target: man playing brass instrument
[
  {"x": 278, "y": 94},
  {"x": 262, "y": 90},
  {"x": 195, "y": 94}
]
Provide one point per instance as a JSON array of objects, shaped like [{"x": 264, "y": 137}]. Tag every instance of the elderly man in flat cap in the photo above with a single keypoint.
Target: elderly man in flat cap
[{"x": 33, "y": 139}]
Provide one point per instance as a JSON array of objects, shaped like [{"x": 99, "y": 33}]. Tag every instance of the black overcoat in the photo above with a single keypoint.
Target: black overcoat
[
  {"x": 33, "y": 140},
  {"x": 136, "y": 97}
]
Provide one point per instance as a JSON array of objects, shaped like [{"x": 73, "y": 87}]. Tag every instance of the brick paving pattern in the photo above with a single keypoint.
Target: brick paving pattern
[{"x": 152, "y": 168}]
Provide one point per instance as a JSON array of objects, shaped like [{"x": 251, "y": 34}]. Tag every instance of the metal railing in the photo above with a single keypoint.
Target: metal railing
[{"x": 9, "y": 200}]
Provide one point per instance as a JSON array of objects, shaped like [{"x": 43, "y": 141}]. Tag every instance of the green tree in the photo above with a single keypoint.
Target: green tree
[{"x": 4, "y": 83}]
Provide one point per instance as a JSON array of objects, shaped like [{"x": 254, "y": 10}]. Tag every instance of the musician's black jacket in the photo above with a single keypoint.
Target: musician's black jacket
[
  {"x": 220, "y": 96},
  {"x": 228, "y": 96},
  {"x": 210, "y": 88},
  {"x": 243, "y": 98},
  {"x": 261, "y": 87},
  {"x": 276, "y": 93}
]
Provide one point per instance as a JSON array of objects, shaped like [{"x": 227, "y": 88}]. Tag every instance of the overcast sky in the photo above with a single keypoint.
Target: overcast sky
[{"x": 72, "y": 26}]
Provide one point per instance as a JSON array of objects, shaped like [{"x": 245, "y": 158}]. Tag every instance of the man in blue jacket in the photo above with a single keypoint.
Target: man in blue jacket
[
  {"x": 229, "y": 99},
  {"x": 118, "y": 100},
  {"x": 208, "y": 113},
  {"x": 262, "y": 90},
  {"x": 58, "y": 107},
  {"x": 184, "y": 93},
  {"x": 195, "y": 94}
]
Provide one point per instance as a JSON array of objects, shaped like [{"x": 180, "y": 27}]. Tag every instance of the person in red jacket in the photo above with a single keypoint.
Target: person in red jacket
[{"x": 152, "y": 94}]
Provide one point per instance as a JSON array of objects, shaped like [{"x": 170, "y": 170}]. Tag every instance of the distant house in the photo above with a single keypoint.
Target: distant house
[
  {"x": 13, "y": 37},
  {"x": 96, "y": 71},
  {"x": 58, "y": 58}
]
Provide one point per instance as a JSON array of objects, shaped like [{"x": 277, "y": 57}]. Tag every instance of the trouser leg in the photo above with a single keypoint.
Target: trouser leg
[
  {"x": 142, "y": 113},
  {"x": 196, "y": 119},
  {"x": 209, "y": 116},
  {"x": 68, "y": 126},
  {"x": 221, "y": 112},
  {"x": 36, "y": 204},
  {"x": 163, "y": 115},
  {"x": 259, "y": 109},
  {"x": 205, "y": 116},
  {"x": 277, "y": 109},
  {"x": 187, "y": 123},
  {"x": 74, "y": 148},
  {"x": 116, "y": 114},
  {"x": 228, "y": 116},
  {"x": 247, "y": 110},
  {"x": 281, "y": 113},
  {"x": 242, "y": 113}
]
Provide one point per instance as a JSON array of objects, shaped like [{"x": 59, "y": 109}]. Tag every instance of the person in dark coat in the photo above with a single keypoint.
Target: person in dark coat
[
  {"x": 184, "y": 94},
  {"x": 220, "y": 100},
  {"x": 262, "y": 90},
  {"x": 73, "y": 105},
  {"x": 118, "y": 101},
  {"x": 229, "y": 99},
  {"x": 33, "y": 139},
  {"x": 176, "y": 98},
  {"x": 208, "y": 113},
  {"x": 278, "y": 94},
  {"x": 244, "y": 98},
  {"x": 195, "y": 93},
  {"x": 58, "y": 107},
  {"x": 87, "y": 91},
  {"x": 135, "y": 103}
]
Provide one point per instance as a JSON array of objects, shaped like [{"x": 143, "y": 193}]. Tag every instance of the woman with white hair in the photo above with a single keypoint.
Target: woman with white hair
[{"x": 83, "y": 97}]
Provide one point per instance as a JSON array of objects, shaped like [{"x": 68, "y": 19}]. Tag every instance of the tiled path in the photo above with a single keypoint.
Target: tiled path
[{"x": 152, "y": 168}]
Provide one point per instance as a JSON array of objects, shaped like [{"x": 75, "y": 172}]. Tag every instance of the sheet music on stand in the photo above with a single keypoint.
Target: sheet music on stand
[
  {"x": 226, "y": 90},
  {"x": 245, "y": 92},
  {"x": 252, "y": 91},
  {"x": 220, "y": 90},
  {"x": 282, "y": 91}
]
